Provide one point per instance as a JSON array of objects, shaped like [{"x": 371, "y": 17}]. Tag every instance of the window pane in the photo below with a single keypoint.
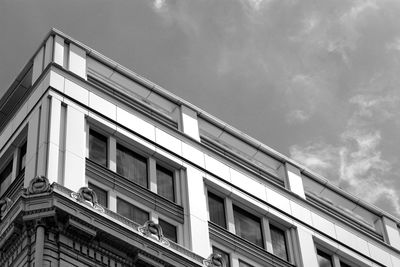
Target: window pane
[
  {"x": 101, "y": 194},
  {"x": 169, "y": 230},
  {"x": 224, "y": 255},
  {"x": 165, "y": 183},
  {"x": 324, "y": 260},
  {"x": 22, "y": 157},
  {"x": 132, "y": 212},
  {"x": 131, "y": 165},
  {"x": 342, "y": 264},
  {"x": 217, "y": 209},
  {"x": 5, "y": 177},
  {"x": 248, "y": 226},
  {"x": 278, "y": 242},
  {"x": 244, "y": 264},
  {"x": 98, "y": 148}
]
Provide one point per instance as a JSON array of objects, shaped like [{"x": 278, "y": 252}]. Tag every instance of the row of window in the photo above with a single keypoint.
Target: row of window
[
  {"x": 131, "y": 165},
  {"x": 330, "y": 260},
  {"x": 248, "y": 226},
  {"x": 135, "y": 168}
]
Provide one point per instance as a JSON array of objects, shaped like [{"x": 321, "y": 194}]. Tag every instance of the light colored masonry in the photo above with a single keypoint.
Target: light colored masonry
[{"x": 68, "y": 88}]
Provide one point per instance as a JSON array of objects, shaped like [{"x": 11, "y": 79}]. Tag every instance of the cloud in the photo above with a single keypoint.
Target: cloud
[{"x": 159, "y": 4}]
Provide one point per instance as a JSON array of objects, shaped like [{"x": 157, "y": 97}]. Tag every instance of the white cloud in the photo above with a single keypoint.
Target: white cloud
[{"x": 159, "y": 4}]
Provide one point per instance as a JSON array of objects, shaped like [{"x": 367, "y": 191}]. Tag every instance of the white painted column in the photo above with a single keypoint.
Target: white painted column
[
  {"x": 190, "y": 125},
  {"x": 294, "y": 181},
  {"x": 77, "y": 60},
  {"x": 391, "y": 233},
  {"x": 307, "y": 248},
  {"x": 112, "y": 200},
  {"x": 152, "y": 172},
  {"x": 58, "y": 50},
  {"x": 43, "y": 138},
  {"x": 53, "y": 156},
  {"x": 112, "y": 153},
  {"x": 75, "y": 149},
  {"x": 198, "y": 215}
]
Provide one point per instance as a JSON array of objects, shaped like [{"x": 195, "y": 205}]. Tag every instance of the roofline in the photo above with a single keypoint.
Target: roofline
[{"x": 201, "y": 113}]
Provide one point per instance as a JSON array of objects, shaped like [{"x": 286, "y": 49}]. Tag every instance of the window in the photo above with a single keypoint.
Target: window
[
  {"x": 98, "y": 148},
  {"x": 278, "y": 241},
  {"x": 169, "y": 230},
  {"x": 216, "y": 207},
  {"x": 22, "y": 157},
  {"x": 244, "y": 264},
  {"x": 132, "y": 212},
  {"x": 248, "y": 226},
  {"x": 225, "y": 256},
  {"x": 5, "y": 177},
  {"x": 101, "y": 195},
  {"x": 132, "y": 165},
  {"x": 165, "y": 183},
  {"x": 331, "y": 260}
]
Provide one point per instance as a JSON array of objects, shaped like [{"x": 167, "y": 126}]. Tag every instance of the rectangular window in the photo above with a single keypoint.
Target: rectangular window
[
  {"x": 5, "y": 177},
  {"x": 132, "y": 212},
  {"x": 169, "y": 230},
  {"x": 101, "y": 194},
  {"x": 244, "y": 264},
  {"x": 324, "y": 259},
  {"x": 98, "y": 148},
  {"x": 278, "y": 241},
  {"x": 165, "y": 183},
  {"x": 132, "y": 165},
  {"x": 22, "y": 157},
  {"x": 248, "y": 226},
  {"x": 225, "y": 256},
  {"x": 216, "y": 208}
]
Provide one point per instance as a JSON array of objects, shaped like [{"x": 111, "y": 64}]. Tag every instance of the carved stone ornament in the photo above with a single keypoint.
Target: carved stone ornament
[
  {"x": 86, "y": 194},
  {"x": 214, "y": 260},
  {"x": 5, "y": 205},
  {"x": 153, "y": 230},
  {"x": 39, "y": 184}
]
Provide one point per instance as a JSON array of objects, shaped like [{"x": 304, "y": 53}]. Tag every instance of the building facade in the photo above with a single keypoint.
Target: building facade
[{"x": 101, "y": 167}]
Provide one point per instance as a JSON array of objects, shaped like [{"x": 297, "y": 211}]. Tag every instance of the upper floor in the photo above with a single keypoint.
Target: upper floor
[{"x": 81, "y": 119}]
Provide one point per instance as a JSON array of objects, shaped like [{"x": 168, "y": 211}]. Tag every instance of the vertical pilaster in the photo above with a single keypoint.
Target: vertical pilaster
[
  {"x": 75, "y": 149},
  {"x": 32, "y": 146},
  {"x": 43, "y": 138},
  {"x": 77, "y": 60},
  {"x": 294, "y": 180},
  {"x": 55, "y": 127},
  {"x": 112, "y": 153},
  {"x": 37, "y": 65},
  {"x": 152, "y": 174},
  {"x": 39, "y": 245},
  {"x": 198, "y": 215},
  {"x": 190, "y": 125},
  {"x": 58, "y": 50},
  {"x": 48, "y": 52},
  {"x": 307, "y": 248}
]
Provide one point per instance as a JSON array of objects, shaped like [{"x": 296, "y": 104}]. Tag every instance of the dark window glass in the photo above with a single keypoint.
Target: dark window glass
[
  {"x": 98, "y": 148},
  {"x": 244, "y": 264},
  {"x": 342, "y": 264},
  {"x": 5, "y": 177},
  {"x": 217, "y": 209},
  {"x": 131, "y": 165},
  {"x": 278, "y": 242},
  {"x": 324, "y": 260},
  {"x": 165, "y": 183},
  {"x": 22, "y": 157},
  {"x": 169, "y": 230},
  {"x": 101, "y": 194},
  {"x": 248, "y": 226},
  {"x": 132, "y": 212},
  {"x": 224, "y": 255}
]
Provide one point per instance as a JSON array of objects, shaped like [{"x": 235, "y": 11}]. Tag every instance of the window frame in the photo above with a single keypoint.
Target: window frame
[
  {"x": 8, "y": 163},
  {"x": 129, "y": 202},
  {"x": 98, "y": 131},
  {"x": 265, "y": 222},
  {"x": 91, "y": 185},
  {"x": 336, "y": 260}
]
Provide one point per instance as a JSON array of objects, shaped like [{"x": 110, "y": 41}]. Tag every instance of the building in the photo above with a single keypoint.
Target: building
[{"x": 101, "y": 167}]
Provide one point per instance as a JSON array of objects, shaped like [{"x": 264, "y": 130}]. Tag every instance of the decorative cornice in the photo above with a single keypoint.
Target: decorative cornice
[
  {"x": 154, "y": 231},
  {"x": 38, "y": 185},
  {"x": 214, "y": 260},
  {"x": 87, "y": 195}
]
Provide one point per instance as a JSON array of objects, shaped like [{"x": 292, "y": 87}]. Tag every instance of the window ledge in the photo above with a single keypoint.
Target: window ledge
[
  {"x": 134, "y": 191},
  {"x": 245, "y": 248}
]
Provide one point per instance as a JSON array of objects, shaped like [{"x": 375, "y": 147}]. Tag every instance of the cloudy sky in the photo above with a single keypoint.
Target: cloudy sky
[{"x": 315, "y": 80}]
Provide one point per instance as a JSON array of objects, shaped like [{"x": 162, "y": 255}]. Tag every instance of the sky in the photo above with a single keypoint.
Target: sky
[{"x": 315, "y": 80}]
